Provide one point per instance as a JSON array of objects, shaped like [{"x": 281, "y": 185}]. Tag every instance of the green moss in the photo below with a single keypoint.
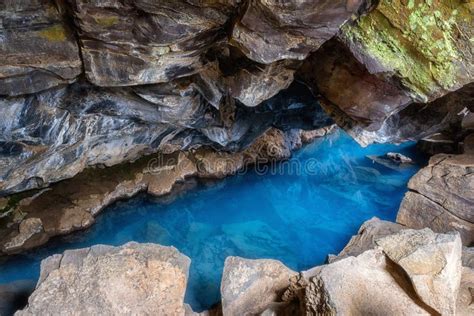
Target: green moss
[
  {"x": 106, "y": 21},
  {"x": 415, "y": 40},
  {"x": 55, "y": 33}
]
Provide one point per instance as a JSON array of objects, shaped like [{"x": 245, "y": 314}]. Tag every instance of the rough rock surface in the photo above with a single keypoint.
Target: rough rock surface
[
  {"x": 249, "y": 286},
  {"x": 373, "y": 109},
  {"x": 134, "y": 278},
  {"x": 74, "y": 203},
  {"x": 55, "y": 134},
  {"x": 366, "y": 237},
  {"x": 38, "y": 49},
  {"x": 271, "y": 30},
  {"x": 424, "y": 46},
  {"x": 362, "y": 285},
  {"x": 440, "y": 197},
  {"x": 143, "y": 42},
  {"x": 431, "y": 261}
]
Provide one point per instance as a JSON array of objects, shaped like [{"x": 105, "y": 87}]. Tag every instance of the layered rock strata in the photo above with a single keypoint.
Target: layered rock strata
[
  {"x": 31, "y": 219},
  {"x": 440, "y": 196}
]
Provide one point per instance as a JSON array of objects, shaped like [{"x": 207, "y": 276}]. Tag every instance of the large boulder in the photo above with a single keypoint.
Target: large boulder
[
  {"x": 134, "y": 278},
  {"x": 364, "y": 285},
  {"x": 38, "y": 49},
  {"x": 250, "y": 287},
  {"x": 431, "y": 261},
  {"x": 271, "y": 30},
  {"x": 142, "y": 42},
  {"x": 440, "y": 197}
]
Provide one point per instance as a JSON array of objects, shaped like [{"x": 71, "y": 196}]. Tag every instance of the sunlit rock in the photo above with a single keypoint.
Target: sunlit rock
[
  {"x": 134, "y": 278},
  {"x": 249, "y": 286}
]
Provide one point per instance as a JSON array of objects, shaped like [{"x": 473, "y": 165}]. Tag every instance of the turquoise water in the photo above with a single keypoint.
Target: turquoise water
[{"x": 296, "y": 216}]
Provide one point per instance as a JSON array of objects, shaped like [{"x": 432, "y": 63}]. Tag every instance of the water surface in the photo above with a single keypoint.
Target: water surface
[{"x": 296, "y": 216}]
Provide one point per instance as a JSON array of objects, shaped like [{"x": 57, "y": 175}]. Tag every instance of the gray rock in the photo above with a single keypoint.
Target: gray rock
[
  {"x": 249, "y": 287},
  {"x": 143, "y": 42},
  {"x": 368, "y": 233},
  {"x": 134, "y": 278},
  {"x": 38, "y": 49},
  {"x": 362, "y": 285},
  {"x": 431, "y": 261},
  {"x": 441, "y": 198},
  {"x": 273, "y": 30},
  {"x": 53, "y": 135}
]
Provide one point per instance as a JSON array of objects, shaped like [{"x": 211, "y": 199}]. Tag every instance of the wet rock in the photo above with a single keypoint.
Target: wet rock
[
  {"x": 28, "y": 229},
  {"x": 310, "y": 136},
  {"x": 440, "y": 197},
  {"x": 249, "y": 286},
  {"x": 368, "y": 233},
  {"x": 134, "y": 278},
  {"x": 73, "y": 204},
  {"x": 366, "y": 284},
  {"x": 271, "y": 30},
  {"x": 431, "y": 261},
  {"x": 38, "y": 49},
  {"x": 394, "y": 161},
  {"x": 422, "y": 46},
  {"x": 143, "y": 42}
]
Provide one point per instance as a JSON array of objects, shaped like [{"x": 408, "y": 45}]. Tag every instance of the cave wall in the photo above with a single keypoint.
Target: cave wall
[{"x": 92, "y": 83}]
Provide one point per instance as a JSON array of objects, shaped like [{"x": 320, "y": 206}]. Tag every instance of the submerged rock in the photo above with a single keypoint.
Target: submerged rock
[
  {"x": 38, "y": 49},
  {"x": 74, "y": 203},
  {"x": 133, "y": 278},
  {"x": 249, "y": 287}
]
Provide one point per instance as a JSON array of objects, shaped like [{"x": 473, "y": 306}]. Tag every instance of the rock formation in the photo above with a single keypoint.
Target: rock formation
[
  {"x": 248, "y": 287},
  {"x": 134, "y": 278},
  {"x": 74, "y": 203},
  {"x": 38, "y": 47},
  {"x": 440, "y": 196}
]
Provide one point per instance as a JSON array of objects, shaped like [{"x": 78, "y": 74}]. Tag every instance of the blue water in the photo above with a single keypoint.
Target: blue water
[{"x": 296, "y": 216}]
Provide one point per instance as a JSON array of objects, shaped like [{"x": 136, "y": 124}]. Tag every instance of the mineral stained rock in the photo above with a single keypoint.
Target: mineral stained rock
[
  {"x": 249, "y": 286},
  {"x": 440, "y": 197},
  {"x": 74, "y": 203},
  {"x": 372, "y": 108},
  {"x": 53, "y": 135},
  {"x": 424, "y": 46},
  {"x": 142, "y": 42},
  {"x": 38, "y": 48},
  {"x": 431, "y": 261},
  {"x": 271, "y": 30},
  {"x": 134, "y": 278}
]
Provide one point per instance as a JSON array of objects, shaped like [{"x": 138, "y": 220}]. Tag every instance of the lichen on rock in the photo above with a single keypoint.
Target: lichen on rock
[{"x": 423, "y": 44}]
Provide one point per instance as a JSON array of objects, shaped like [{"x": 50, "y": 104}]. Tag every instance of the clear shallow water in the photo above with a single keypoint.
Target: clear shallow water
[{"x": 293, "y": 217}]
